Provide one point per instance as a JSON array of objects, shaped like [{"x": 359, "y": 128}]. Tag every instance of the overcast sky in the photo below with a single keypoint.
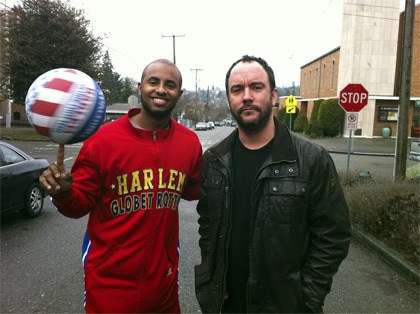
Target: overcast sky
[{"x": 214, "y": 34}]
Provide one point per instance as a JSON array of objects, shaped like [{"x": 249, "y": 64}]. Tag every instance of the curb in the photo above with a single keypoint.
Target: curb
[{"x": 391, "y": 256}]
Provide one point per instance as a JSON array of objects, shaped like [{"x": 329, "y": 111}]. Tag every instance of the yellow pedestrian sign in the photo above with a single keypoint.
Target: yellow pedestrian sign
[
  {"x": 291, "y": 101},
  {"x": 290, "y": 109}
]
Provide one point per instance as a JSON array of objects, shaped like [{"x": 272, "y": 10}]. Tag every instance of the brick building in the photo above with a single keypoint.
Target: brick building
[{"x": 370, "y": 54}]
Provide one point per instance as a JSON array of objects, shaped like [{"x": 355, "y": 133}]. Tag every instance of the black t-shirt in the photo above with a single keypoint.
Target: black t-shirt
[{"x": 246, "y": 164}]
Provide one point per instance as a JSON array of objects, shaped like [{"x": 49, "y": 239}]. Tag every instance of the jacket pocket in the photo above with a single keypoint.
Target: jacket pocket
[
  {"x": 215, "y": 196},
  {"x": 287, "y": 202}
]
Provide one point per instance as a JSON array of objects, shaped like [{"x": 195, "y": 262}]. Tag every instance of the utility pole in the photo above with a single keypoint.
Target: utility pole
[
  {"x": 173, "y": 42},
  {"x": 196, "y": 90},
  {"x": 405, "y": 84},
  {"x": 196, "y": 78}
]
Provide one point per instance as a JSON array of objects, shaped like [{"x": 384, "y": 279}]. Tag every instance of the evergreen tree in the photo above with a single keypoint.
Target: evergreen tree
[{"x": 110, "y": 81}]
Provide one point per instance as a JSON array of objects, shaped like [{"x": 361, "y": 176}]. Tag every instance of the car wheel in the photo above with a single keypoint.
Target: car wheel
[{"x": 34, "y": 201}]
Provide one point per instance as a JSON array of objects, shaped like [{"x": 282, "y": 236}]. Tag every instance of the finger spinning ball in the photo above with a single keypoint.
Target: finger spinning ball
[{"x": 66, "y": 105}]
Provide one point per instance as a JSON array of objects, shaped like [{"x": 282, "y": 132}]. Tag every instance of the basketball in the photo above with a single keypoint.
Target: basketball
[{"x": 65, "y": 105}]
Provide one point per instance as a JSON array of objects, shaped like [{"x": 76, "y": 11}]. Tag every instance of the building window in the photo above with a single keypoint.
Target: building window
[
  {"x": 309, "y": 82},
  {"x": 304, "y": 83},
  {"x": 316, "y": 86},
  {"x": 332, "y": 75},
  {"x": 323, "y": 77}
]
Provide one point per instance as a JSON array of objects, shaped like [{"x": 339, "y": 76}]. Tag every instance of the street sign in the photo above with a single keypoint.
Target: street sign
[
  {"x": 351, "y": 121},
  {"x": 291, "y": 101},
  {"x": 133, "y": 101},
  {"x": 353, "y": 97},
  {"x": 290, "y": 109}
]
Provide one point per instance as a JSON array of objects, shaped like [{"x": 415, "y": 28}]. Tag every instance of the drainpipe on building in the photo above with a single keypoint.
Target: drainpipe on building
[{"x": 8, "y": 113}]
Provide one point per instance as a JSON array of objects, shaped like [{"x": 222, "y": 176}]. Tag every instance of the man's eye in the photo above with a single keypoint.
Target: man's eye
[{"x": 171, "y": 85}]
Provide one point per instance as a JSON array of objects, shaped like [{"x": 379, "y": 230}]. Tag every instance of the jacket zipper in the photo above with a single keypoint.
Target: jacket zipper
[
  {"x": 227, "y": 236},
  {"x": 250, "y": 236},
  {"x": 154, "y": 136}
]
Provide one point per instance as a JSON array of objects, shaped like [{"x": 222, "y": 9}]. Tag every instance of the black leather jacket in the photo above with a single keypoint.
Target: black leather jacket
[{"x": 300, "y": 227}]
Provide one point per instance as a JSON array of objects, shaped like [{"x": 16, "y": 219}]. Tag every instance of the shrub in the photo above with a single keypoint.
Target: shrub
[
  {"x": 285, "y": 117},
  {"x": 331, "y": 117},
  {"x": 281, "y": 113},
  {"x": 314, "y": 130},
  {"x": 385, "y": 209},
  {"x": 315, "y": 111},
  {"x": 301, "y": 123}
]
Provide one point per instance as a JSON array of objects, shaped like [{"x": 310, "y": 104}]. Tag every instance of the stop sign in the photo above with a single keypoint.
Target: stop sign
[{"x": 353, "y": 97}]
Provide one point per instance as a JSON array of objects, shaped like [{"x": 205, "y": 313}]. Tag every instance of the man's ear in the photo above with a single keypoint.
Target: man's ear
[
  {"x": 274, "y": 96},
  {"x": 139, "y": 88}
]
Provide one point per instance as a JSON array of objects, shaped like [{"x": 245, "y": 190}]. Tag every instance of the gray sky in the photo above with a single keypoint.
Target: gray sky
[{"x": 286, "y": 33}]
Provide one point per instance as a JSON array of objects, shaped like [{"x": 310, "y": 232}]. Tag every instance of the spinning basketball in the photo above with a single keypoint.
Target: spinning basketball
[{"x": 66, "y": 105}]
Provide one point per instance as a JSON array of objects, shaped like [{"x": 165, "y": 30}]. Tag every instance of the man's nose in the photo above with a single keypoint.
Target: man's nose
[
  {"x": 161, "y": 88},
  {"x": 247, "y": 95}
]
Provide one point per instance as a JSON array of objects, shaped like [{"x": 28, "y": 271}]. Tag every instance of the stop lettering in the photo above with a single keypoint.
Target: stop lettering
[{"x": 354, "y": 98}]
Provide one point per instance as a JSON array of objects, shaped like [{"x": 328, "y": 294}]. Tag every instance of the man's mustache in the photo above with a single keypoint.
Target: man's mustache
[{"x": 247, "y": 106}]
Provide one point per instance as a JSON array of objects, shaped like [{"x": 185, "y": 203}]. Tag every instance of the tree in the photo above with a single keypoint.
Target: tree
[
  {"x": 41, "y": 35},
  {"x": 129, "y": 87},
  {"x": 110, "y": 81}
]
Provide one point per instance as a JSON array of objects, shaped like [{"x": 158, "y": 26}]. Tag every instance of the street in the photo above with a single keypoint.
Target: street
[{"x": 41, "y": 268}]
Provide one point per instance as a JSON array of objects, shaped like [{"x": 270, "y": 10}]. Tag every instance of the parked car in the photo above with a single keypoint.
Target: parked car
[
  {"x": 201, "y": 126},
  {"x": 20, "y": 188}
]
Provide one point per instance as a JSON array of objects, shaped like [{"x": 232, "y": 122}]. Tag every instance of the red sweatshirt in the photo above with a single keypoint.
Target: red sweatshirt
[{"x": 130, "y": 182}]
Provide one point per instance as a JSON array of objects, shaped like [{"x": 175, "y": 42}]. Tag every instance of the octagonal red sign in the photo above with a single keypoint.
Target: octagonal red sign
[{"x": 353, "y": 97}]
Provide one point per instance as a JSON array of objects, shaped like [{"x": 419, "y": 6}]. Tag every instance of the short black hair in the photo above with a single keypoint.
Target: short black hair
[
  {"x": 264, "y": 64},
  {"x": 164, "y": 61}
]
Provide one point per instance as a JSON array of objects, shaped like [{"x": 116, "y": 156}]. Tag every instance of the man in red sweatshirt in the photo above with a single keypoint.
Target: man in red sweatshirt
[{"x": 129, "y": 177}]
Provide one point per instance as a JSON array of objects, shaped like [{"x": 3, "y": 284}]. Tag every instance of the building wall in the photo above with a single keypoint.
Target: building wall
[
  {"x": 369, "y": 45},
  {"x": 319, "y": 78}
]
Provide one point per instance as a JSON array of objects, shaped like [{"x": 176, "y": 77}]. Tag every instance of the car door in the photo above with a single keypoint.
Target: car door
[{"x": 12, "y": 178}]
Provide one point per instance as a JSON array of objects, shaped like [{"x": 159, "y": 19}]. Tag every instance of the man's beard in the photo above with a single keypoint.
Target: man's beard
[
  {"x": 156, "y": 114},
  {"x": 257, "y": 125}
]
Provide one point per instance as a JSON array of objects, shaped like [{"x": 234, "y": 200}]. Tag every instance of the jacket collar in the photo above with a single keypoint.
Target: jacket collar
[
  {"x": 161, "y": 135},
  {"x": 283, "y": 146}
]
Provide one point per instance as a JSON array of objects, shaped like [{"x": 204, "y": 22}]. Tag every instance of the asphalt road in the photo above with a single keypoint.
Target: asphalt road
[{"x": 41, "y": 268}]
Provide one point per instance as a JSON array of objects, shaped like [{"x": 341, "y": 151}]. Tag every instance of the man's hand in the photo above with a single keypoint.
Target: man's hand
[{"x": 55, "y": 180}]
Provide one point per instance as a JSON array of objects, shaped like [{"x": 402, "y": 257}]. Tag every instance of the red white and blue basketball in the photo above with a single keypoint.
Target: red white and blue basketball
[{"x": 66, "y": 105}]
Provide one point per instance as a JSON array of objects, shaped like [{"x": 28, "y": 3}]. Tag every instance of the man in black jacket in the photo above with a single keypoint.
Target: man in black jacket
[{"x": 274, "y": 224}]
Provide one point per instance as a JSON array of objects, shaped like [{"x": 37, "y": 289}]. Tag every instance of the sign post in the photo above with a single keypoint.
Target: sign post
[
  {"x": 291, "y": 104},
  {"x": 353, "y": 98}
]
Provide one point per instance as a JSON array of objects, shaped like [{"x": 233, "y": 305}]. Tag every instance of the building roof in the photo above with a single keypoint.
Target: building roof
[{"x": 320, "y": 57}]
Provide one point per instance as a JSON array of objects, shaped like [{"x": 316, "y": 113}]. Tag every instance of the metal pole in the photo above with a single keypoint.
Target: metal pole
[{"x": 349, "y": 150}]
